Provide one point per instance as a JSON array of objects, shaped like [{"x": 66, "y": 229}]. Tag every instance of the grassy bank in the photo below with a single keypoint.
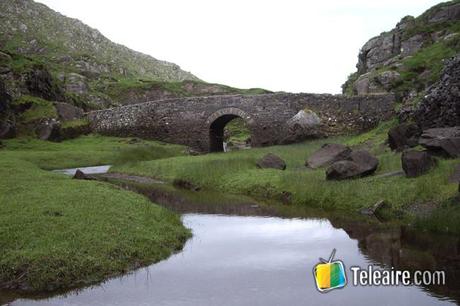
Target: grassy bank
[
  {"x": 87, "y": 151},
  {"x": 56, "y": 232},
  {"x": 236, "y": 172}
]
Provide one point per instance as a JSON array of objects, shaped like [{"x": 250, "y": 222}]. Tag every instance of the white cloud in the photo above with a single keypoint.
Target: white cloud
[{"x": 289, "y": 45}]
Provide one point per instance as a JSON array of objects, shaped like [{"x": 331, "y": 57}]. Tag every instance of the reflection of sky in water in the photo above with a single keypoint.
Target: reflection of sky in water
[{"x": 245, "y": 261}]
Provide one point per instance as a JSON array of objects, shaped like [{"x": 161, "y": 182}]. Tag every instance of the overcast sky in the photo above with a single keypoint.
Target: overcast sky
[{"x": 288, "y": 45}]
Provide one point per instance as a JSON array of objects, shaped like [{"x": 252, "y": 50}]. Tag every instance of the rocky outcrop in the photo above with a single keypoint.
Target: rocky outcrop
[
  {"x": 394, "y": 60},
  {"x": 442, "y": 141},
  {"x": 416, "y": 163},
  {"x": 441, "y": 106},
  {"x": 40, "y": 83},
  {"x": 271, "y": 160},
  {"x": 328, "y": 154}
]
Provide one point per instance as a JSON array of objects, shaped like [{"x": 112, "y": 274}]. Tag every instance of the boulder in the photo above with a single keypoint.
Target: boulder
[
  {"x": 343, "y": 169},
  {"x": 271, "y": 160},
  {"x": 48, "y": 130},
  {"x": 67, "y": 111},
  {"x": 403, "y": 136},
  {"x": 328, "y": 154},
  {"x": 358, "y": 164},
  {"x": 416, "y": 163},
  {"x": 305, "y": 124},
  {"x": 442, "y": 141},
  {"x": 80, "y": 175},
  {"x": 367, "y": 162}
]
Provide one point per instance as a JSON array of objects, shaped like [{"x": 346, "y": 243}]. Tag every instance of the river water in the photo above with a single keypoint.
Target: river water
[{"x": 253, "y": 256}]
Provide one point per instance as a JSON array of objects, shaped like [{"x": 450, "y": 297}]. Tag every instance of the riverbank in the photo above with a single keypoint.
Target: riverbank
[
  {"x": 59, "y": 233},
  {"x": 236, "y": 172}
]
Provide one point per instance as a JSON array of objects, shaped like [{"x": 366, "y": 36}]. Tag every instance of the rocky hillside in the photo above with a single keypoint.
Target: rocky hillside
[
  {"x": 53, "y": 68},
  {"x": 408, "y": 59},
  {"x": 31, "y": 28}
]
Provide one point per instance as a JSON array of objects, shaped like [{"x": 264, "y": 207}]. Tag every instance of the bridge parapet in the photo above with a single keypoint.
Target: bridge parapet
[{"x": 187, "y": 120}]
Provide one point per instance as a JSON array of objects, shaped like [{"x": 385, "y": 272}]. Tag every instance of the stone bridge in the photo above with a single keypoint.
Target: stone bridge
[{"x": 199, "y": 122}]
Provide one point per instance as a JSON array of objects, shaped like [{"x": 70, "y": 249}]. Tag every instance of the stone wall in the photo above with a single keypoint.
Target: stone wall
[{"x": 187, "y": 120}]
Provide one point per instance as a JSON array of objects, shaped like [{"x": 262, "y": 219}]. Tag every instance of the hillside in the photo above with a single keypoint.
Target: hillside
[
  {"x": 46, "y": 57},
  {"x": 408, "y": 59}
]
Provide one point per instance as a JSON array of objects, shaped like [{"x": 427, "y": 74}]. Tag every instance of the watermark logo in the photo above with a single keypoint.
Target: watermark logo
[{"x": 329, "y": 274}]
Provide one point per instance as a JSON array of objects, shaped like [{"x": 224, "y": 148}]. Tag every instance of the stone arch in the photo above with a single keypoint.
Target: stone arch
[{"x": 216, "y": 123}]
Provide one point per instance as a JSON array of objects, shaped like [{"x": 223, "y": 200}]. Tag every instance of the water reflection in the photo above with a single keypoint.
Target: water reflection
[
  {"x": 235, "y": 260},
  {"x": 264, "y": 255}
]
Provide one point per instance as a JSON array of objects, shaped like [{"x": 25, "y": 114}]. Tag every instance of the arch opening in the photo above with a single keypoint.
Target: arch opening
[{"x": 229, "y": 132}]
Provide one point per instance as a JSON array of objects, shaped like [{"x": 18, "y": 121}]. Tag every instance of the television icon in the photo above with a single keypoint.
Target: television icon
[{"x": 329, "y": 274}]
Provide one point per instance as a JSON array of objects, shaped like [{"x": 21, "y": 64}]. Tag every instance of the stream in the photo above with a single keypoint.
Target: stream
[{"x": 246, "y": 253}]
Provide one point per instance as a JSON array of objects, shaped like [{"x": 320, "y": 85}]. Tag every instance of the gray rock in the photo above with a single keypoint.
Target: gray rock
[
  {"x": 412, "y": 45},
  {"x": 76, "y": 83},
  {"x": 446, "y": 13},
  {"x": 328, "y": 154},
  {"x": 367, "y": 162},
  {"x": 403, "y": 136},
  {"x": 358, "y": 164},
  {"x": 441, "y": 106},
  {"x": 67, "y": 111},
  {"x": 304, "y": 125},
  {"x": 39, "y": 82},
  {"x": 388, "y": 79},
  {"x": 416, "y": 163},
  {"x": 442, "y": 141},
  {"x": 341, "y": 170},
  {"x": 48, "y": 130},
  {"x": 271, "y": 160}
]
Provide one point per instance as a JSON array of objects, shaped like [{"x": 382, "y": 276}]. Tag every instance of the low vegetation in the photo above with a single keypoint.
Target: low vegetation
[
  {"x": 58, "y": 233},
  {"x": 236, "y": 172}
]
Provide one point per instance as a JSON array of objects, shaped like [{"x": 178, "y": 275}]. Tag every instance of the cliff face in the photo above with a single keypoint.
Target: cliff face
[
  {"x": 409, "y": 58},
  {"x": 441, "y": 106}
]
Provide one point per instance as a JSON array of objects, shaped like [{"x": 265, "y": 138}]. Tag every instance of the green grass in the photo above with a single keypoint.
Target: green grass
[
  {"x": 58, "y": 233},
  {"x": 86, "y": 151},
  {"x": 237, "y": 131},
  {"x": 236, "y": 172},
  {"x": 35, "y": 109}
]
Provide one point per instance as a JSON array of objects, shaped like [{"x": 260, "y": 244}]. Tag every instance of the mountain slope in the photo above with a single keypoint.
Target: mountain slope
[
  {"x": 31, "y": 28},
  {"x": 50, "y": 63}
]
